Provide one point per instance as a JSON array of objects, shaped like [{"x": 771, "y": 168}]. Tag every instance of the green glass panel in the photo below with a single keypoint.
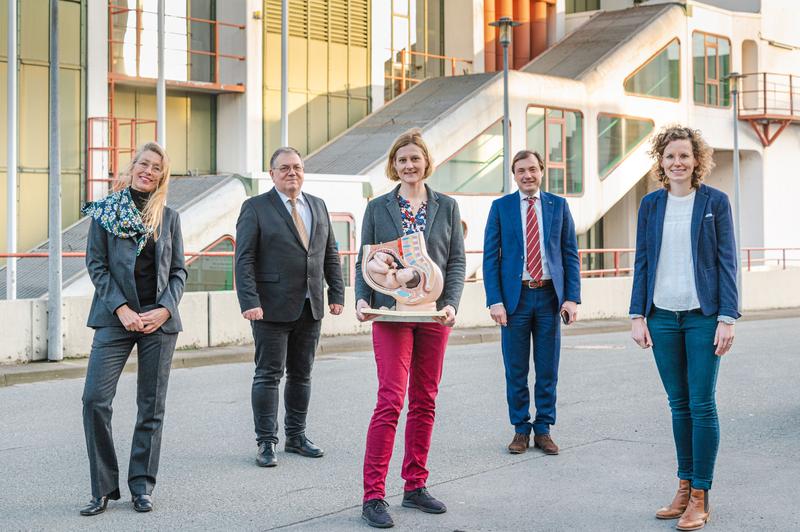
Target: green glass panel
[
  {"x": 635, "y": 132},
  {"x": 574, "y": 135},
  {"x": 660, "y": 76},
  {"x": 535, "y": 129},
  {"x": 555, "y": 180},
  {"x": 555, "y": 153},
  {"x": 711, "y": 63},
  {"x": 341, "y": 231},
  {"x": 476, "y": 168},
  {"x": 698, "y": 67},
  {"x": 724, "y": 71},
  {"x": 211, "y": 273},
  {"x": 712, "y": 95},
  {"x": 609, "y": 143}
]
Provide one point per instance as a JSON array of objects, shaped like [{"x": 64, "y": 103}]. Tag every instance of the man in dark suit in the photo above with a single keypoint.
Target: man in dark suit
[
  {"x": 285, "y": 249},
  {"x": 531, "y": 275}
]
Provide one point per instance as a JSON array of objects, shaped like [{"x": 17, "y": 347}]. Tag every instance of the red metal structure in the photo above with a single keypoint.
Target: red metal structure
[{"x": 769, "y": 103}]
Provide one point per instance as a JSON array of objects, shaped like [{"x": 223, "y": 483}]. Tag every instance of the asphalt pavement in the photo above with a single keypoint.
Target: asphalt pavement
[{"x": 616, "y": 466}]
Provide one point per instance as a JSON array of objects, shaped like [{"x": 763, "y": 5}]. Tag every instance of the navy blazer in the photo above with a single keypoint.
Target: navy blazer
[
  {"x": 504, "y": 250},
  {"x": 444, "y": 240},
  {"x": 713, "y": 252},
  {"x": 110, "y": 261}
]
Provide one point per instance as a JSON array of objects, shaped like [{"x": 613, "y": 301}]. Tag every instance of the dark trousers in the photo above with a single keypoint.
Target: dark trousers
[
  {"x": 110, "y": 350},
  {"x": 683, "y": 346},
  {"x": 536, "y": 316},
  {"x": 283, "y": 347}
]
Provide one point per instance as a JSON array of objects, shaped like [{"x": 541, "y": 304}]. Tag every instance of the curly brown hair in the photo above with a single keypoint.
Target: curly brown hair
[
  {"x": 703, "y": 153},
  {"x": 412, "y": 136}
]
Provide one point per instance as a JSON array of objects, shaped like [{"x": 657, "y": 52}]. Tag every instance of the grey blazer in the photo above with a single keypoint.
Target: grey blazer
[
  {"x": 444, "y": 239},
  {"x": 110, "y": 261},
  {"x": 274, "y": 270}
]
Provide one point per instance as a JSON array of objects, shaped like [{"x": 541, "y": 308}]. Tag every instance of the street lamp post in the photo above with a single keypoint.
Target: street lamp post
[
  {"x": 505, "y": 24},
  {"x": 733, "y": 79}
]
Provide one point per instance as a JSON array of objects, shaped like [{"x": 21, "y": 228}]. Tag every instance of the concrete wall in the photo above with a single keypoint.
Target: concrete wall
[{"x": 212, "y": 319}]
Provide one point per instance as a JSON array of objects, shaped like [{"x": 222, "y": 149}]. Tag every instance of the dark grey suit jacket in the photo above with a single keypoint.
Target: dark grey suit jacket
[
  {"x": 273, "y": 268},
  {"x": 110, "y": 261},
  {"x": 444, "y": 239}
]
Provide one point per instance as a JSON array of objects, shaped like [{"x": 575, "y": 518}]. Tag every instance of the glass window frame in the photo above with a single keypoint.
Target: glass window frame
[
  {"x": 708, "y": 37},
  {"x": 602, "y": 176},
  {"x": 563, "y": 164},
  {"x": 350, "y": 260},
  {"x": 647, "y": 62},
  {"x": 462, "y": 148}
]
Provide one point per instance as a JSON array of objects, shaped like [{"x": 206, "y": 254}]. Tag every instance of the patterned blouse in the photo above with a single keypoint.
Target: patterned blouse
[{"x": 412, "y": 223}]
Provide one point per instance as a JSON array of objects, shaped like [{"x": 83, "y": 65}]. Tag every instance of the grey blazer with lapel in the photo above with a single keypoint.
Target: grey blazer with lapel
[
  {"x": 110, "y": 261},
  {"x": 274, "y": 270},
  {"x": 444, "y": 239}
]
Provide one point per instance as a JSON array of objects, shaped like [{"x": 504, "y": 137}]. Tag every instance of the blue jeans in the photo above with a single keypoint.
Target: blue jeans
[
  {"x": 683, "y": 345},
  {"x": 536, "y": 316}
]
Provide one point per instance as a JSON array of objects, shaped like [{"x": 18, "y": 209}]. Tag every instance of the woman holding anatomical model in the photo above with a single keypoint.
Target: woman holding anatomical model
[{"x": 408, "y": 355}]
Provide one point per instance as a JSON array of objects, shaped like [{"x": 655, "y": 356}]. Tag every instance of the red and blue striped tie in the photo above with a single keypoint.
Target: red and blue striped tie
[{"x": 532, "y": 246}]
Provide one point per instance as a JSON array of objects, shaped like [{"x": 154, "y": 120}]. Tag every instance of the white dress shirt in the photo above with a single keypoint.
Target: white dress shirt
[
  {"x": 523, "y": 209},
  {"x": 302, "y": 209}
]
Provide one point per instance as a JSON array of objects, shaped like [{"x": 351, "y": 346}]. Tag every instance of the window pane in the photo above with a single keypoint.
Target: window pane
[
  {"x": 698, "y": 67},
  {"x": 535, "y": 125},
  {"x": 711, "y": 63},
  {"x": 660, "y": 76},
  {"x": 712, "y": 95},
  {"x": 555, "y": 180},
  {"x": 609, "y": 143},
  {"x": 574, "y": 153},
  {"x": 635, "y": 132},
  {"x": 476, "y": 168},
  {"x": 211, "y": 273},
  {"x": 724, "y": 70},
  {"x": 342, "y": 231},
  {"x": 554, "y": 148}
]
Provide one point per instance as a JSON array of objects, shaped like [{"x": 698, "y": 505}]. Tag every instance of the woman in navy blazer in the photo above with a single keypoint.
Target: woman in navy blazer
[{"x": 684, "y": 305}]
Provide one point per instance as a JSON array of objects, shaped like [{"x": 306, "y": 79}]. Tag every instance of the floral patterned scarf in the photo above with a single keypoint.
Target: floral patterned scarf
[{"x": 117, "y": 214}]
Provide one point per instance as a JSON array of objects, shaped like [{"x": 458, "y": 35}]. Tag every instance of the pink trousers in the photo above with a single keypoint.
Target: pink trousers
[{"x": 407, "y": 356}]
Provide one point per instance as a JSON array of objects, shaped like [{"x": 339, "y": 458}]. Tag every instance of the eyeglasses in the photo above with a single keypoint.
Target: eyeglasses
[
  {"x": 144, "y": 165},
  {"x": 284, "y": 169}
]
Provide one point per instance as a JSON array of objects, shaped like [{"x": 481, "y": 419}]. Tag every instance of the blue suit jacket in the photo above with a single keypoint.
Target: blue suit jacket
[
  {"x": 713, "y": 252},
  {"x": 504, "y": 250}
]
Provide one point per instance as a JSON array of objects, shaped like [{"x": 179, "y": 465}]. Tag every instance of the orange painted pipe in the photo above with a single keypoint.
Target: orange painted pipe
[
  {"x": 522, "y": 33},
  {"x": 504, "y": 8},
  {"x": 538, "y": 28},
  {"x": 489, "y": 37}
]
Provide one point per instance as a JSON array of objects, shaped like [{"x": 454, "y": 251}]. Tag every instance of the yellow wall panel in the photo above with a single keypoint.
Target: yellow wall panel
[
  {"x": 71, "y": 121},
  {"x": 33, "y": 116},
  {"x": 32, "y": 208},
  {"x": 272, "y": 124},
  {"x": 272, "y": 61},
  {"x": 317, "y": 121},
  {"x": 298, "y": 63},
  {"x": 298, "y": 131},
  {"x": 3, "y": 113},
  {"x": 338, "y": 68},
  {"x": 359, "y": 84},
  {"x": 338, "y": 115},
  {"x": 70, "y": 198},
  {"x": 69, "y": 33},
  {"x": 317, "y": 66},
  {"x": 177, "y": 142},
  {"x": 357, "y": 111},
  {"x": 34, "y": 34},
  {"x": 3, "y": 28},
  {"x": 3, "y": 213}
]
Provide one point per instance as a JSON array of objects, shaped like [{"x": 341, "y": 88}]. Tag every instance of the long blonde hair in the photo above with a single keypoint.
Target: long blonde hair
[{"x": 154, "y": 210}]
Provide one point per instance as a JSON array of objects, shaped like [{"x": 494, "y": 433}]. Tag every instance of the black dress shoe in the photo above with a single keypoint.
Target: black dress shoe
[
  {"x": 96, "y": 506},
  {"x": 266, "y": 455},
  {"x": 303, "y": 446},
  {"x": 422, "y": 500},
  {"x": 375, "y": 513},
  {"x": 142, "y": 503}
]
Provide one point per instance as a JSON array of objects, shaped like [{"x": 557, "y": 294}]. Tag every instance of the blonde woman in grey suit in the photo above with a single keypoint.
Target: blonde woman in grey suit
[{"x": 134, "y": 254}]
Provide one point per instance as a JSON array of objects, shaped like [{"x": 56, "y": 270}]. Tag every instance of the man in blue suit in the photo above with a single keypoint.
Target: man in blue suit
[{"x": 531, "y": 274}]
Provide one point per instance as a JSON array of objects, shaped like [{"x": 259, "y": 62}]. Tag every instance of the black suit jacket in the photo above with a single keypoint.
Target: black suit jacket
[
  {"x": 274, "y": 271},
  {"x": 110, "y": 261}
]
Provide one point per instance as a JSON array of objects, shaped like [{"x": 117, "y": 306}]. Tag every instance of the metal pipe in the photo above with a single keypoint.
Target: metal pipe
[
  {"x": 55, "y": 349},
  {"x": 161, "y": 86},
  {"x": 734, "y": 81},
  {"x": 285, "y": 73},
  {"x": 506, "y": 140},
  {"x": 11, "y": 153}
]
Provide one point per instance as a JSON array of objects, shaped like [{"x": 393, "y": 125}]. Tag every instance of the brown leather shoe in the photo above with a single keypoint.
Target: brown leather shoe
[
  {"x": 697, "y": 511},
  {"x": 545, "y": 443},
  {"x": 678, "y": 504},
  {"x": 520, "y": 443}
]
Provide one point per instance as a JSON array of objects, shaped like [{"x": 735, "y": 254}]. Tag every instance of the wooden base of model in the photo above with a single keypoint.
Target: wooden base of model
[{"x": 404, "y": 314}]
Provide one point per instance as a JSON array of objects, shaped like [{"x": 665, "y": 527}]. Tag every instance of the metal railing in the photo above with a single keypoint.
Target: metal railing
[
  {"x": 115, "y": 11},
  {"x": 407, "y": 68},
  {"x": 766, "y": 94},
  {"x": 113, "y": 148}
]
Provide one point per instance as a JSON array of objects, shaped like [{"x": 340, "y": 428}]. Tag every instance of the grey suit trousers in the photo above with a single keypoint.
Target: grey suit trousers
[{"x": 110, "y": 350}]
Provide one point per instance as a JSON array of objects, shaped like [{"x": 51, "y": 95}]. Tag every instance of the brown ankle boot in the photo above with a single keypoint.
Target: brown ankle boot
[
  {"x": 678, "y": 504},
  {"x": 696, "y": 515}
]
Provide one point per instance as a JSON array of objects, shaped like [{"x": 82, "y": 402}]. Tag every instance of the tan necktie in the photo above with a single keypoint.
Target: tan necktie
[{"x": 298, "y": 223}]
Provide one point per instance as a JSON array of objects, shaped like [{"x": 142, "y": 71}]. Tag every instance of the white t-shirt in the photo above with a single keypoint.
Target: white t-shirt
[{"x": 675, "y": 283}]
